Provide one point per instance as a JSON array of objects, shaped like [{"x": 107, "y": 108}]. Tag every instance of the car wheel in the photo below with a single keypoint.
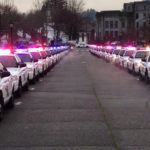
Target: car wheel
[
  {"x": 19, "y": 92},
  {"x": 1, "y": 109},
  {"x": 26, "y": 88},
  {"x": 141, "y": 77},
  {"x": 133, "y": 71},
  {"x": 147, "y": 78},
  {"x": 11, "y": 102},
  {"x": 34, "y": 78}
]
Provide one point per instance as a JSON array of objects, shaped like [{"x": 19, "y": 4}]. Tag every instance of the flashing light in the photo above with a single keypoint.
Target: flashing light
[
  {"x": 33, "y": 50},
  {"x": 109, "y": 47},
  {"x": 5, "y": 51},
  {"x": 119, "y": 47},
  {"x": 21, "y": 50},
  {"x": 148, "y": 48},
  {"x": 131, "y": 48},
  {"x": 41, "y": 49}
]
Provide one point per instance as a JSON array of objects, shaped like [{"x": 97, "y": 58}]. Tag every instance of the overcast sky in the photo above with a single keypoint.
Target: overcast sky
[{"x": 25, "y": 5}]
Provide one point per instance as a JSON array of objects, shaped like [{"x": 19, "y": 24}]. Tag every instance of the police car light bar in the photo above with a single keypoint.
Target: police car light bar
[
  {"x": 5, "y": 51},
  {"x": 21, "y": 50},
  {"x": 119, "y": 47},
  {"x": 109, "y": 47},
  {"x": 32, "y": 49},
  {"x": 131, "y": 48}
]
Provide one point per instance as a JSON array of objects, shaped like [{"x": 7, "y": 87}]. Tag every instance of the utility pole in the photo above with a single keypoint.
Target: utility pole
[{"x": 11, "y": 34}]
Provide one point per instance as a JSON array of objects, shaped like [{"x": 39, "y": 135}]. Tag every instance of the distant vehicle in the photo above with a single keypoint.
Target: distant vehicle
[
  {"x": 82, "y": 45},
  {"x": 6, "y": 90}
]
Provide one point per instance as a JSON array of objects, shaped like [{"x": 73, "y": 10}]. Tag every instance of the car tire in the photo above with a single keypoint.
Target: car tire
[
  {"x": 34, "y": 78},
  {"x": 19, "y": 91},
  {"x": 1, "y": 109},
  {"x": 26, "y": 87},
  {"x": 141, "y": 77},
  {"x": 147, "y": 80},
  {"x": 11, "y": 102},
  {"x": 133, "y": 71}
]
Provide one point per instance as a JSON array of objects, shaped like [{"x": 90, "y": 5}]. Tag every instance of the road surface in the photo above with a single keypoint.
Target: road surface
[{"x": 84, "y": 103}]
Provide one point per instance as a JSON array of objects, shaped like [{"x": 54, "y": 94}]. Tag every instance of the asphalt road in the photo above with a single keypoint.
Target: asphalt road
[{"x": 84, "y": 103}]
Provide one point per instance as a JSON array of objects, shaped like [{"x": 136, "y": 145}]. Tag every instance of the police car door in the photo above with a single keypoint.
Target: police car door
[{"x": 6, "y": 84}]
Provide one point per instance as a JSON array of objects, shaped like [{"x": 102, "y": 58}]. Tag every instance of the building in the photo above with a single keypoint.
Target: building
[
  {"x": 112, "y": 24},
  {"x": 126, "y": 24},
  {"x": 141, "y": 13}
]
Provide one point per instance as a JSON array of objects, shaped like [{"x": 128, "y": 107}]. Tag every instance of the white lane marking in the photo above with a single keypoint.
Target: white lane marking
[
  {"x": 32, "y": 89},
  {"x": 41, "y": 80},
  {"x": 18, "y": 103}
]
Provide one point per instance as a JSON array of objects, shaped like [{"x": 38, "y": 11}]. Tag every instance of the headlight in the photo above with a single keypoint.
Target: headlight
[
  {"x": 15, "y": 77},
  {"x": 137, "y": 64},
  {"x": 30, "y": 69}
]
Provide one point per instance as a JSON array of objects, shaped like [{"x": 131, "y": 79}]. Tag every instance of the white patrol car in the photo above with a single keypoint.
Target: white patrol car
[
  {"x": 113, "y": 56},
  {"x": 32, "y": 66},
  {"x": 49, "y": 58},
  {"x": 145, "y": 68},
  {"x": 135, "y": 60},
  {"x": 37, "y": 57},
  {"x": 17, "y": 69},
  {"x": 124, "y": 60},
  {"x": 6, "y": 90}
]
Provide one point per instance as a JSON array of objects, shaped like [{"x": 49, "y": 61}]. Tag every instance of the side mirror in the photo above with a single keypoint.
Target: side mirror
[
  {"x": 35, "y": 60},
  {"x": 144, "y": 59},
  {"x": 22, "y": 65},
  {"x": 5, "y": 74}
]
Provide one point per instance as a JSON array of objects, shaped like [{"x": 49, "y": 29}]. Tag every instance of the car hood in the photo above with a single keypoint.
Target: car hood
[
  {"x": 13, "y": 71},
  {"x": 29, "y": 64}
]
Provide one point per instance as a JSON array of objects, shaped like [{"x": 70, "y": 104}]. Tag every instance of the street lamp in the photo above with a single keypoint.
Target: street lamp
[{"x": 11, "y": 25}]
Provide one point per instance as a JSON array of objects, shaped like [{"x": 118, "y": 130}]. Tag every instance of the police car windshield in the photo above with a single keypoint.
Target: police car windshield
[
  {"x": 129, "y": 53},
  {"x": 25, "y": 57},
  {"x": 36, "y": 55},
  {"x": 116, "y": 52},
  {"x": 43, "y": 53},
  {"x": 122, "y": 52},
  {"x": 48, "y": 53},
  {"x": 141, "y": 54},
  {"x": 8, "y": 61}
]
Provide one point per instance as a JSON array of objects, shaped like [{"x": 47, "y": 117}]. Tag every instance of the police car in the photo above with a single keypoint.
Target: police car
[
  {"x": 17, "y": 69},
  {"x": 128, "y": 53},
  {"x": 145, "y": 68},
  {"x": 113, "y": 56},
  {"x": 135, "y": 60},
  {"x": 6, "y": 90},
  {"x": 37, "y": 57},
  {"x": 32, "y": 65}
]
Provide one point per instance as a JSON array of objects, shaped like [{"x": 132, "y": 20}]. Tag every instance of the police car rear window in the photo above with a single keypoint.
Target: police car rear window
[
  {"x": 25, "y": 57},
  {"x": 141, "y": 54},
  {"x": 116, "y": 52},
  {"x": 129, "y": 53},
  {"x": 8, "y": 61},
  {"x": 36, "y": 55}
]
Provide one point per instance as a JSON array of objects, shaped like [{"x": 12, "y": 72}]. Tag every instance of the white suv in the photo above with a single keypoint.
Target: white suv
[
  {"x": 6, "y": 90},
  {"x": 32, "y": 65},
  {"x": 18, "y": 70},
  {"x": 135, "y": 60}
]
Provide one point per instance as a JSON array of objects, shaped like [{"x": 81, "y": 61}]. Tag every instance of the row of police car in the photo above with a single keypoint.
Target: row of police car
[
  {"x": 135, "y": 60},
  {"x": 24, "y": 66}
]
